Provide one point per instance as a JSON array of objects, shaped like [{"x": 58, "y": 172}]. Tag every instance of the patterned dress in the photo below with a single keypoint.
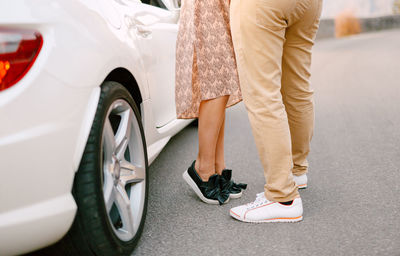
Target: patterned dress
[{"x": 205, "y": 59}]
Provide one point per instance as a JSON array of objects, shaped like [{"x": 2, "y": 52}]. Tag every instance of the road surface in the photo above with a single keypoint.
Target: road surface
[{"x": 352, "y": 204}]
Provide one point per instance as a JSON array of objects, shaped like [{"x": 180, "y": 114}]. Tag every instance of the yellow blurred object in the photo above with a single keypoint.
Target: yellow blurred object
[
  {"x": 346, "y": 23},
  {"x": 396, "y": 7}
]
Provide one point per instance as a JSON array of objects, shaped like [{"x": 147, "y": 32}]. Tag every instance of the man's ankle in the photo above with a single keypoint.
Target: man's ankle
[{"x": 287, "y": 203}]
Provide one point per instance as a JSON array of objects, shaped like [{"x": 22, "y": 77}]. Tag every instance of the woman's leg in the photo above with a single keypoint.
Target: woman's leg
[
  {"x": 219, "y": 151},
  {"x": 211, "y": 118}
]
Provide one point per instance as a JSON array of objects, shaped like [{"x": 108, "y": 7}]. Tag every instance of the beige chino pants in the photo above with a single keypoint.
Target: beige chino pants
[{"x": 273, "y": 41}]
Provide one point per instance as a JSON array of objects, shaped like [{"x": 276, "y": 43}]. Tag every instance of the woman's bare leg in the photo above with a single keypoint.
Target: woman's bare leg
[
  {"x": 219, "y": 153},
  {"x": 211, "y": 117}
]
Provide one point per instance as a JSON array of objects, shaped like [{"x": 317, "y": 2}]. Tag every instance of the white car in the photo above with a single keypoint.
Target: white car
[{"x": 86, "y": 103}]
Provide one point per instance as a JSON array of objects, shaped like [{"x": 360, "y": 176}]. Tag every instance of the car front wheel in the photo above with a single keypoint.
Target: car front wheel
[{"x": 111, "y": 185}]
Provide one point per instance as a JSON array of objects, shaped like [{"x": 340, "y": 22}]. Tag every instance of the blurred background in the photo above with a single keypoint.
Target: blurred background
[
  {"x": 348, "y": 17},
  {"x": 361, "y": 8}
]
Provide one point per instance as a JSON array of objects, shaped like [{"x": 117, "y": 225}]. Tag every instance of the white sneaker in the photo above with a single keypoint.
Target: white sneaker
[
  {"x": 263, "y": 210},
  {"x": 301, "y": 180}
]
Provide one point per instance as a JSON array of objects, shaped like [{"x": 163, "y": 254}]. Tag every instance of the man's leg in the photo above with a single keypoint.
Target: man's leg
[
  {"x": 296, "y": 91},
  {"x": 259, "y": 39}
]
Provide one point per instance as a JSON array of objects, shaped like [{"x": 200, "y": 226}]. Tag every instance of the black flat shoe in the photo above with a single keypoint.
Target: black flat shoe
[
  {"x": 227, "y": 184},
  {"x": 209, "y": 192}
]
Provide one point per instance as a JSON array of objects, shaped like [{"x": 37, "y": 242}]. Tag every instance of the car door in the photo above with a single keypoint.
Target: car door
[{"x": 156, "y": 31}]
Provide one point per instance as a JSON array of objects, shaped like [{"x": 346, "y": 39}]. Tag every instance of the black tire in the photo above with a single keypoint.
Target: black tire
[
  {"x": 91, "y": 232},
  {"x": 195, "y": 122}
]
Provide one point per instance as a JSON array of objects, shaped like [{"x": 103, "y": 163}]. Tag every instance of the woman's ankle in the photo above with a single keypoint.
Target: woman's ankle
[
  {"x": 204, "y": 173},
  {"x": 219, "y": 168}
]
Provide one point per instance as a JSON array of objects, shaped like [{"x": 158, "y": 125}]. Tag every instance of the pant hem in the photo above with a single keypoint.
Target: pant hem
[{"x": 285, "y": 199}]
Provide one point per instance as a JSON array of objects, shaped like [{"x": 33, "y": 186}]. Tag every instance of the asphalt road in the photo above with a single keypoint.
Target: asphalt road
[{"x": 352, "y": 204}]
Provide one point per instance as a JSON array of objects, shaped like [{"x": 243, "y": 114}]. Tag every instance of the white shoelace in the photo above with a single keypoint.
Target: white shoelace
[
  {"x": 260, "y": 200},
  {"x": 260, "y": 195}
]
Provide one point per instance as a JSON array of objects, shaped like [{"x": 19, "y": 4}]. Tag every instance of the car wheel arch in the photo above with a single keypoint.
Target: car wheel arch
[{"x": 126, "y": 79}]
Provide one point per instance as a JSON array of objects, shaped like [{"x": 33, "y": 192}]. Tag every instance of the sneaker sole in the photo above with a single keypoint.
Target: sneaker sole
[
  {"x": 303, "y": 186},
  {"x": 196, "y": 190},
  {"x": 294, "y": 219},
  {"x": 235, "y": 196}
]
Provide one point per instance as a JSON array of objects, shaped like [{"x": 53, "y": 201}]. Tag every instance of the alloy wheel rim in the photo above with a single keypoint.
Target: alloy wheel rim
[{"x": 124, "y": 172}]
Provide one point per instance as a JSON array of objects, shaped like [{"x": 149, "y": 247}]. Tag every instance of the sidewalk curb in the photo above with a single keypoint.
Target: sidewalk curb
[{"x": 327, "y": 26}]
